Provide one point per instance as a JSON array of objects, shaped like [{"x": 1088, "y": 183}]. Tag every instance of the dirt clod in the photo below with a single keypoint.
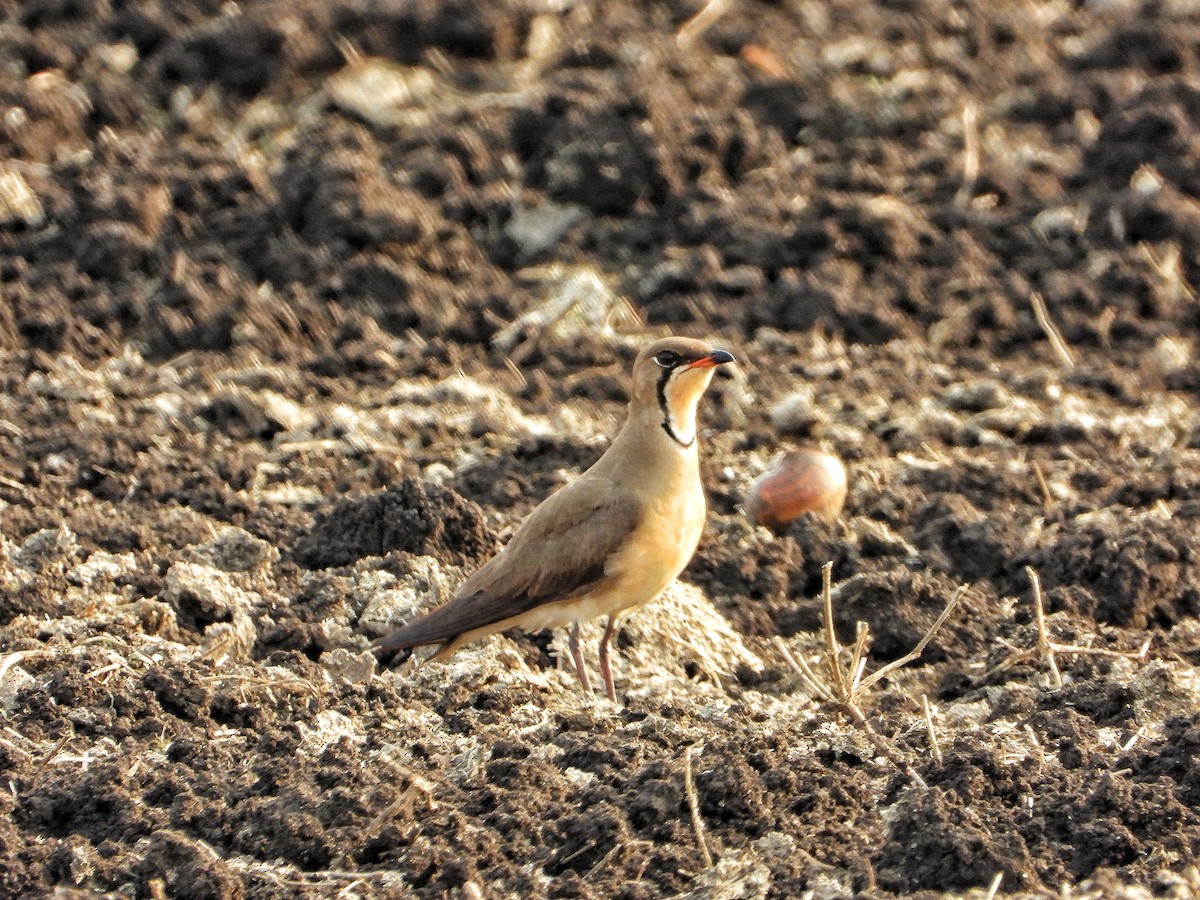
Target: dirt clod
[{"x": 412, "y": 517}]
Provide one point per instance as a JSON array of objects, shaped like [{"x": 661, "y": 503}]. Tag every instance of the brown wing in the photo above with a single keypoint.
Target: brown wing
[{"x": 560, "y": 551}]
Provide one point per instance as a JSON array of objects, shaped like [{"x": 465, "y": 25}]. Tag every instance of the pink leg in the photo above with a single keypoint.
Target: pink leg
[
  {"x": 605, "y": 668},
  {"x": 577, "y": 655}
]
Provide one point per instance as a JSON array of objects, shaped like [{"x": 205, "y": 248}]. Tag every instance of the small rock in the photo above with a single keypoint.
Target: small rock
[
  {"x": 976, "y": 396},
  {"x": 234, "y": 550},
  {"x": 1172, "y": 353},
  {"x": 18, "y": 202},
  {"x": 538, "y": 229},
  {"x": 194, "y": 589},
  {"x": 797, "y": 414},
  {"x": 230, "y": 641},
  {"x": 13, "y": 680},
  {"x": 580, "y": 301},
  {"x": 119, "y": 58},
  {"x": 1060, "y": 221},
  {"x": 777, "y": 844},
  {"x": 44, "y": 548},
  {"x": 425, "y": 587},
  {"x": 102, "y": 566},
  {"x": 800, "y": 481},
  {"x": 356, "y": 668},
  {"x": 377, "y": 90}
]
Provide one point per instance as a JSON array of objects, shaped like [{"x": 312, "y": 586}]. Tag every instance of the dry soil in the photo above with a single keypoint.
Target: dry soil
[{"x": 304, "y": 304}]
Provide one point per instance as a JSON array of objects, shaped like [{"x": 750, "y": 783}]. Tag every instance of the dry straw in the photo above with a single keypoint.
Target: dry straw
[{"x": 845, "y": 685}]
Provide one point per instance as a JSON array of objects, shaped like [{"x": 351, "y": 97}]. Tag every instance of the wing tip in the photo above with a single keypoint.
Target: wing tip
[
  {"x": 430, "y": 628},
  {"x": 400, "y": 639}
]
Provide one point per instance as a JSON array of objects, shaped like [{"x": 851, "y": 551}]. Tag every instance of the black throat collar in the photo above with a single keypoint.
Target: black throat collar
[{"x": 666, "y": 411}]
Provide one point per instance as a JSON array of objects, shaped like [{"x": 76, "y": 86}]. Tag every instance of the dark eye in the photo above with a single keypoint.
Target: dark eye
[{"x": 667, "y": 358}]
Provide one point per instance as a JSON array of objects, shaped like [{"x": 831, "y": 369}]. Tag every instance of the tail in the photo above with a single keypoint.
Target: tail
[
  {"x": 399, "y": 640},
  {"x": 438, "y": 626},
  {"x": 417, "y": 634}
]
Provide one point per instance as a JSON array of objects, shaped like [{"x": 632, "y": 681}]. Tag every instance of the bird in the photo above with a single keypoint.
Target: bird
[{"x": 607, "y": 542}]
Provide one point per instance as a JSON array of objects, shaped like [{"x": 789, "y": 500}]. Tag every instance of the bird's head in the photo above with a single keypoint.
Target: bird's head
[{"x": 670, "y": 375}]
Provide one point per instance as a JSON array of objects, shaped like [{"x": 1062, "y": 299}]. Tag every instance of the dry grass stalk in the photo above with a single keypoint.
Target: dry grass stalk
[
  {"x": 44, "y": 763},
  {"x": 934, "y": 747},
  {"x": 689, "y": 788},
  {"x": 1065, "y": 356},
  {"x": 1044, "y": 487},
  {"x": 844, "y": 685},
  {"x": 994, "y": 889},
  {"x": 1034, "y": 743},
  {"x": 403, "y": 805},
  {"x": 1170, "y": 268},
  {"x": 1048, "y": 649},
  {"x": 1043, "y": 635},
  {"x": 701, "y": 21},
  {"x": 289, "y": 876},
  {"x": 521, "y": 381},
  {"x": 971, "y": 154},
  {"x": 1125, "y": 748},
  {"x": 4, "y": 742},
  {"x": 15, "y": 657}
]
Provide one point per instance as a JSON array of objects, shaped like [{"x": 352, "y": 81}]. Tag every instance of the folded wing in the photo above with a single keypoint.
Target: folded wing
[{"x": 560, "y": 552}]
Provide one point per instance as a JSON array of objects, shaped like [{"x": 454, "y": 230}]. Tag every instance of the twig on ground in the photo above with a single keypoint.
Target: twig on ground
[
  {"x": 4, "y": 742},
  {"x": 971, "y": 154},
  {"x": 44, "y": 763},
  {"x": 845, "y": 686},
  {"x": 522, "y": 381},
  {"x": 1034, "y": 742},
  {"x": 418, "y": 786},
  {"x": 1049, "y": 649},
  {"x": 916, "y": 652},
  {"x": 689, "y": 788},
  {"x": 290, "y": 876},
  {"x": 1043, "y": 635},
  {"x": 1065, "y": 356},
  {"x": 1170, "y": 268},
  {"x": 934, "y": 748},
  {"x": 1044, "y": 487},
  {"x": 15, "y": 657},
  {"x": 603, "y": 861},
  {"x": 995, "y": 886},
  {"x": 708, "y": 15},
  {"x": 1125, "y": 748}
]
